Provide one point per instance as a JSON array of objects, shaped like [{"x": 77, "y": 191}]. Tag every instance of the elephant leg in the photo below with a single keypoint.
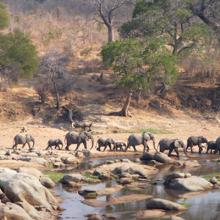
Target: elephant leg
[
  {"x": 14, "y": 147},
  {"x": 170, "y": 152},
  {"x": 85, "y": 144},
  {"x": 67, "y": 147},
  {"x": 29, "y": 146},
  {"x": 200, "y": 149},
  {"x": 207, "y": 151},
  {"x": 134, "y": 148},
  {"x": 104, "y": 148},
  {"x": 177, "y": 152},
  {"x": 48, "y": 147},
  {"x": 23, "y": 145},
  {"x": 146, "y": 147},
  {"x": 77, "y": 146}
]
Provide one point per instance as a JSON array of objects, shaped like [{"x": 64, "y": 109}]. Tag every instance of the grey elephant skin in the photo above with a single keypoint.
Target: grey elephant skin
[
  {"x": 196, "y": 141},
  {"x": 217, "y": 150},
  {"x": 171, "y": 145},
  {"x": 211, "y": 145},
  {"x": 57, "y": 143},
  {"x": 78, "y": 139},
  {"x": 135, "y": 140},
  {"x": 119, "y": 146},
  {"x": 23, "y": 139},
  {"x": 105, "y": 143}
]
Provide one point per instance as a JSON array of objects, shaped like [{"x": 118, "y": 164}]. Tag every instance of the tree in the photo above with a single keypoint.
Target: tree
[
  {"x": 171, "y": 19},
  {"x": 106, "y": 11},
  {"x": 4, "y": 17},
  {"x": 137, "y": 64},
  {"x": 208, "y": 11},
  {"x": 17, "y": 50}
]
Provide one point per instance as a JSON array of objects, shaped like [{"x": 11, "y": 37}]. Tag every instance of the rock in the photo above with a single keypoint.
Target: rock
[
  {"x": 72, "y": 178},
  {"x": 47, "y": 182},
  {"x": 109, "y": 162},
  {"x": 12, "y": 211},
  {"x": 190, "y": 184},
  {"x": 128, "y": 198},
  {"x": 26, "y": 188},
  {"x": 94, "y": 217},
  {"x": 125, "y": 181},
  {"x": 175, "y": 175},
  {"x": 157, "y": 213},
  {"x": 163, "y": 158},
  {"x": 58, "y": 165},
  {"x": 213, "y": 180},
  {"x": 109, "y": 191},
  {"x": 69, "y": 160},
  {"x": 125, "y": 160},
  {"x": 8, "y": 153},
  {"x": 31, "y": 171},
  {"x": 88, "y": 194},
  {"x": 40, "y": 161},
  {"x": 146, "y": 157},
  {"x": 164, "y": 205}
]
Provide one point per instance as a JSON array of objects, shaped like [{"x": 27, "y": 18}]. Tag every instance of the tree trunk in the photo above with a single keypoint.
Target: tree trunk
[
  {"x": 56, "y": 94},
  {"x": 110, "y": 34},
  {"x": 124, "y": 112}
]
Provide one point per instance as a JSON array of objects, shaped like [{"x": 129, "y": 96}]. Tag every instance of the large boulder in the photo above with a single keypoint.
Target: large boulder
[
  {"x": 164, "y": 205},
  {"x": 27, "y": 189},
  {"x": 187, "y": 183},
  {"x": 31, "y": 171},
  {"x": 12, "y": 211},
  {"x": 163, "y": 158}
]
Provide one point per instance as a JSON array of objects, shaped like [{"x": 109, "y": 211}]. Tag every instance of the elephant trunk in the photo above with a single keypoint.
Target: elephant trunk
[
  {"x": 33, "y": 143},
  {"x": 92, "y": 139},
  {"x": 154, "y": 145}
]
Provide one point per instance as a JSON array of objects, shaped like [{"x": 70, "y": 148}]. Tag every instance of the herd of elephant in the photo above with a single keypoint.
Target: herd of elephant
[{"x": 133, "y": 140}]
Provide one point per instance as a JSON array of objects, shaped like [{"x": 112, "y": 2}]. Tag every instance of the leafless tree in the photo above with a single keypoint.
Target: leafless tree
[{"x": 106, "y": 10}]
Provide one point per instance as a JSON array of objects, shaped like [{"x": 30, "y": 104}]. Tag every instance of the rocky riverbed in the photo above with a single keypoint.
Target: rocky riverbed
[{"x": 60, "y": 184}]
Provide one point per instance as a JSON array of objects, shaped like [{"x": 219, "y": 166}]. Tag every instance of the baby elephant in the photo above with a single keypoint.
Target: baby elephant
[
  {"x": 211, "y": 146},
  {"x": 105, "y": 143},
  {"x": 196, "y": 141},
  {"x": 118, "y": 146},
  {"x": 57, "y": 143}
]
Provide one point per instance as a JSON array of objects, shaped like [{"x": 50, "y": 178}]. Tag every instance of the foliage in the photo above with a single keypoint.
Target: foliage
[
  {"x": 18, "y": 50},
  {"x": 55, "y": 176},
  {"x": 138, "y": 63},
  {"x": 172, "y": 19},
  {"x": 4, "y": 17}
]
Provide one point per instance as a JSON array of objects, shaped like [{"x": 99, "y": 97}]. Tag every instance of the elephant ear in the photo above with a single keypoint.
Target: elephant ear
[{"x": 176, "y": 143}]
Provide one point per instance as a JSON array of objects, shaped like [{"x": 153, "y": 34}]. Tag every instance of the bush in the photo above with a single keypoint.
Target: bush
[{"x": 18, "y": 51}]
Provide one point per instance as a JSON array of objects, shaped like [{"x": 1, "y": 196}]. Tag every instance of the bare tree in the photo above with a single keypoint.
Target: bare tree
[{"x": 106, "y": 11}]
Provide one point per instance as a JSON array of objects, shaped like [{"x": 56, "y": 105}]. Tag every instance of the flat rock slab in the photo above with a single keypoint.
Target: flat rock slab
[
  {"x": 190, "y": 184},
  {"x": 116, "y": 200},
  {"x": 157, "y": 213},
  {"x": 164, "y": 205},
  {"x": 129, "y": 198},
  {"x": 109, "y": 191}
]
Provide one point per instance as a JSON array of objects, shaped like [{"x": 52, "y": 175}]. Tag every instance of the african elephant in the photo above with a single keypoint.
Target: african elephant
[
  {"x": 196, "y": 140},
  {"x": 23, "y": 139},
  {"x": 81, "y": 138},
  {"x": 171, "y": 145},
  {"x": 135, "y": 140},
  {"x": 211, "y": 146},
  {"x": 118, "y": 146},
  {"x": 104, "y": 143},
  {"x": 57, "y": 143},
  {"x": 217, "y": 150}
]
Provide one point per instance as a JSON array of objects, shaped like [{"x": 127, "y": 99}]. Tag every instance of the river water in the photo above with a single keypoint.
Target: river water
[{"x": 204, "y": 206}]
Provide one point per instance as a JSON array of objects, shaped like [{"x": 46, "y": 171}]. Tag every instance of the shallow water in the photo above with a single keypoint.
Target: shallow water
[{"x": 201, "y": 207}]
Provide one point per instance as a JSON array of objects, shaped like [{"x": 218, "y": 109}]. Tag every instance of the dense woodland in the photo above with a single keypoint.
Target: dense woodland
[{"x": 155, "y": 53}]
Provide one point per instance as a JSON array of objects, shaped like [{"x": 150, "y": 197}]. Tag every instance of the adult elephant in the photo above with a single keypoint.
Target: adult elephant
[
  {"x": 196, "y": 141},
  {"x": 23, "y": 139},
  {"x": 135, "y": 140},
  {"x": 171, "y": 145},
  {"x": 78, "y": 139},
  {"x": 217, "y": 142}
]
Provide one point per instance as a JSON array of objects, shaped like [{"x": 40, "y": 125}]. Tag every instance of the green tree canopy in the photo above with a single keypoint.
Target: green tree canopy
[
  {"x": 17, "y": 50},
  {"x": 4, "y": 17},
  {"x": 138, "y": 63},
  {"x": 171, "y": 19}
]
